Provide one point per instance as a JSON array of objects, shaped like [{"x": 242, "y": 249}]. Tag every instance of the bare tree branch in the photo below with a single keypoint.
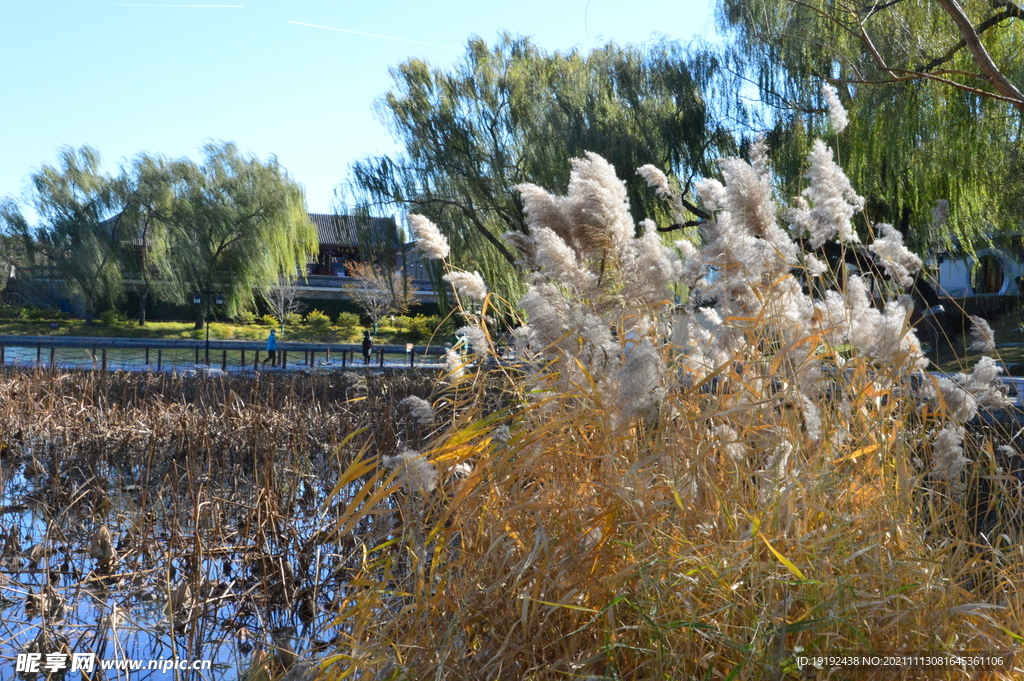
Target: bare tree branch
[{"x": 991, "y": 72}]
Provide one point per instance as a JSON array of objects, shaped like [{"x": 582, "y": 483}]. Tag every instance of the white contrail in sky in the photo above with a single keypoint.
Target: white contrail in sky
[{"x": 374, "y": 35}]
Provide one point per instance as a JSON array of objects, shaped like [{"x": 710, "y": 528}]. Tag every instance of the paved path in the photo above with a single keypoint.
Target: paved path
[{"x": 146, "y": 354}]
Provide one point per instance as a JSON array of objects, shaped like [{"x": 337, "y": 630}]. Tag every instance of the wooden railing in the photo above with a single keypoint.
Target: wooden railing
[{"x": 162, "y": 354}]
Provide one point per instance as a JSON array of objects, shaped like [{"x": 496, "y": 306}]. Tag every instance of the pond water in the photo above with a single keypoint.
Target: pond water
[{"x": 163, "y": 531}]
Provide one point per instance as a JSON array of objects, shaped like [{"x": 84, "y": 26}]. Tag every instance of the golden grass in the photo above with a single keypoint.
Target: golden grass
[{"x": 656, "y": 551}]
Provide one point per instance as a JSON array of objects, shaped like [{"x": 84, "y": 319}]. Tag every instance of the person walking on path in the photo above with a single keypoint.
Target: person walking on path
[
  {"x": 271, "y": 348},
  {"x": 367, "y": 346}
]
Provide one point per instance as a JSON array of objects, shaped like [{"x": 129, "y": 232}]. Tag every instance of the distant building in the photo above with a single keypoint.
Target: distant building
[
  {"x": 344, "y": 239},
  {"x": 990, "y": 272}
]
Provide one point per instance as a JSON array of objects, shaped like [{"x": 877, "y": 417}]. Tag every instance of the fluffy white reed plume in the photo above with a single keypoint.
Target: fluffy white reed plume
[
  {"x": 899, "y": 263},
  {"x": 475, "y": 336},
  {"x": 640, "y": 382},
  {"x": 589, "y": 272},
  {"x": 948, "y": 460},
  {"x": 658, "y": 181},
  {"x": 592, "y": 218},
  {"x": 773, "y": 477},
  {"x": 429, "y": 239},
  {"x": 730, "y": 442},
  {"x": 961, "y": 405},
  {"x": 832, "y": 197},
  {"x": 414, "y": 471},
  {"x": 815, "y": 266},
  {"x": 652, "y": 269},
  {"x": 558, "y": 261},
  {"x": 834, "y": 317},
  {"x": 599, "y": 203},
  {"x": 759, "y": 159},
  {"x": 744, "y": 242},
  {"x": 836, "y": 112},
  {"x": 454, "y": 366},
  {"x": 548, "y": 312},
  {"x": 986, "y": 386},
  {"x": 748, "y": 195},
  {"x": 964, "y": 394},
  {"x": 600, "y": 351},
  {"x": 694, "y": 268},
  {"x": 885, "y": 336},
  {"x": 983, "y": 336},
  {"x": 421, "y": 410},
  {"x": 711, "y": 193},
  {"x": 468, "y": 284},
  {"x": 546, "y": 210}
]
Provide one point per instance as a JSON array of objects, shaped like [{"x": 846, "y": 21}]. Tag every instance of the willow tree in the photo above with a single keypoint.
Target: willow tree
[
  {"x": 932, "y": 118},
  {"x": 146, "y": 191},
  {"x": 77, "y": 232},
  {"x": 515, "y": 113},
  {"x": 238, "y": 226}
]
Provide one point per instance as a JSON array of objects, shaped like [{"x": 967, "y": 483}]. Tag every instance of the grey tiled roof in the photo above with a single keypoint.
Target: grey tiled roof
[{"x": 342, "y": 230}]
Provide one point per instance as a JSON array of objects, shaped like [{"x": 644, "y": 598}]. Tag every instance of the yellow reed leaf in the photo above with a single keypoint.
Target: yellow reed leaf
[
  {"x": 564, "y": 605},
  {"x": 860, "y": 451},
  {"x": 461, "y": 452},
  {"x": 782, "y": 559}
]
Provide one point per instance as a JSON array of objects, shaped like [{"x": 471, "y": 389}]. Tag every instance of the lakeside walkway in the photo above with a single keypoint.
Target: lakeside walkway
[{"x": 151, "y": 354}]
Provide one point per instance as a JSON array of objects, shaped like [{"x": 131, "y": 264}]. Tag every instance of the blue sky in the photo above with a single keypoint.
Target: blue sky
[{"x": 164, "y": 76}]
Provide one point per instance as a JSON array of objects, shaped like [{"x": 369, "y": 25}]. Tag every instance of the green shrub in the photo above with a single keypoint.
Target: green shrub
[
  {"x": 113, "y": 318},
  {"x": 318, "y": 321},
  {"x": 268, "y": 320},
  {"x": 403, "y": 323},
  {"x": 31, "y": 313},
  {"x": 292, "y": 319},
  {"x": 245, "y": 318},
  {"x": 423, "y": 327},
  {"x": 347, "y": 322}
]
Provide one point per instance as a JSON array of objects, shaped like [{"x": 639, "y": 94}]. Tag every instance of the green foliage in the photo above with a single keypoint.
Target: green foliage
[
  {"x": 916, "y": 137},
  {"x": 244, "y": 317},
  {"x": 318, "y": 321},
  {"x": 515, "y": 113},
  {"x": 77, "y": 232},
  {"x": 146, "y": 191},
  {"x": 113, "y": 318},
  {"x": 347, "y": 322},
  {"x": 268, "y": 320},
  {"x": 237, "y": 225},
  {"x": 423, "y": 328},
  {"x": 31, "y": 313},
  {"x": 233, "y": 224},
  {"x": 292, "y": 319},
  {"x": 403, "y": 323}
]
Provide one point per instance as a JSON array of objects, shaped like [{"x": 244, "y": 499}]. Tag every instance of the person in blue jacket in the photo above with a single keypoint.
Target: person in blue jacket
[{"x": 271, "y": 348}]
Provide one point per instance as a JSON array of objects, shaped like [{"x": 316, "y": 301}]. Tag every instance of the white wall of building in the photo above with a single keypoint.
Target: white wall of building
[{"x": 955, "y": 274}]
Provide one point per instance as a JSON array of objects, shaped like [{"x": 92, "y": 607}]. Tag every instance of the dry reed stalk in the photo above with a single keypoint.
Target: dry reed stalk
[
  {"x": 211, "y": 492},
  {"x": 780, "y": 498}
]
